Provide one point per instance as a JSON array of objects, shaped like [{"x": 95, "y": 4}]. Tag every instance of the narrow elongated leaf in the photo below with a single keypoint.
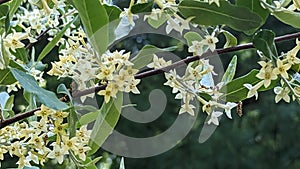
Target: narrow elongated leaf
[
  {"x": 235, "y": 90},
  {"x": 46, "y": 97},
  {"x": 94, "y": 19},
  {"x": 230, "y": 39},
  {"x": 72, "y": 122},
  {"x": 288, "y": 17},
  {"x": 4, "y": 9},
  {"x": 230, "y": 71},
  {"x": 54, "y": 41},
  {"x": 264, "y": 41},
  {"x": 88, "y": 118},
  {"x": 105, "y": 122},
  {"x": 21, "y": 54},
  {"x": 14, "y": 5},
  {"x": 238, "y": 18},
  {"x": 145, "y": 55},
  {"x": 6, "y": 77},
  {"x": 31, "y": 100},
  {"x": 8, "y": 108}
]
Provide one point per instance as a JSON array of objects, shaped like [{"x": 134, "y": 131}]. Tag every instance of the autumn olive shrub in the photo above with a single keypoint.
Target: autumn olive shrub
[{"x": 84, "y": 31}]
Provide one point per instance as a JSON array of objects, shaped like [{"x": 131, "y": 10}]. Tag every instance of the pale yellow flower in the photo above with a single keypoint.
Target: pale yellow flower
[
  {"x": 282, "y": 69},
  {"x": 210, "y": 41},
  {"x": 187, "y": 108},
  {"x": 282, "y": 94},
  {"x": 81, "y": 150},
  {"x": 106, "y": 72},
  {"x": 44, "y": 112},
  {"x": 253, "y": 89},
  {"x": 214, "y": 118},
  {"x": 196, "y": 48},
  {"x": 13, "y": 40},
  {"x": 267, "y": 76},
  {"x": 57, "y": 153},
  {"x": 108, "y": 92}
]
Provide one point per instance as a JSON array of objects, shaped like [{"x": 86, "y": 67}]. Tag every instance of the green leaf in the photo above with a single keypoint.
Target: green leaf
[
  {"x": 254, "y": 6},
  {"x": 88, "y": 118},
  {"x": 230, "y": 71},
  {"x": 94, "y": 19},
  {"x": 235, "y": 90},
  {"x": 6, "y": 77},
  {"x": 4, "y": 56},
  {"x": 14, "y": 5},
  {"x": 230, "y": 39},
  {"x": 90, "y": 164},
  {"x": 192, "y": 36},
  {"x": 157, "y": 23},
  {"x": 288, "y": 17},
  {"x": 238, "y": 18},
  {"x": 72, "y": 121},
  {"x": 105, "y": 122},
  {"x": 4, "y": 9},
  {"x": 264, "y": 41},
  {"x": 145, "y": 55},
  {"x": 31, "y": 100},
  {"x": 22, "y": 54},
  {"x": 6, "y": 104},
  {"x": 63, "y": 90},
  {"x": 142, "y": 7},
  {"x": 54, "y": 41},
  {"x": 8, "y": 108},
  {"x": 113, "y": 12},
  {"x": 46, "y": 97}
]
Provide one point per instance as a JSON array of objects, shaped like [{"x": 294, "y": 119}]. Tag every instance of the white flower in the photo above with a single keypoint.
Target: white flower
[
  {"x": 197, "y": 48},
  {"x": 210, "y": 41},
  {"x": 187, "y": 108},
  {"x": 13, "y": 40},
  {"x": 228, "y": 108},
  {"x": 253, "y": 89},
  {"x": 158, "y": 62},
  {"x": 214, "y": 117},
  {"x": 282, "y": 94},
  {"x": 155, "y": 14},
  {"x": 173, "y": 24},
  {"x": 57, "y": 153}
]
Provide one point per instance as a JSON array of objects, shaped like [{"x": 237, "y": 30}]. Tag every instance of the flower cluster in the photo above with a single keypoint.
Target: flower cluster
[
  {"x": 46, "y": 138},
  {"x": 199, "y": 47},
  {"x": 272, "y": 70},
  {"x": 117, "y": 73},
  {"x": 193, "y": 86}
]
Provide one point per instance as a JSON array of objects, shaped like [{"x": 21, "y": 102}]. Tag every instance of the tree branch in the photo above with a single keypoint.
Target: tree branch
[
  {"x": 4, "y": 1},
  {"x": 29, "y": 45},
  {"x": 76, "y": 94}
]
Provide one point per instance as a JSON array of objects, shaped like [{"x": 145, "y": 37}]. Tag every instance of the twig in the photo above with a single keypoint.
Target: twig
[
  {"x": 18, "y": 117},
  {"x": 188, "y": 60},
  {"x": 153, "y": 72},
  {"x": 29, "y": 45}
]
